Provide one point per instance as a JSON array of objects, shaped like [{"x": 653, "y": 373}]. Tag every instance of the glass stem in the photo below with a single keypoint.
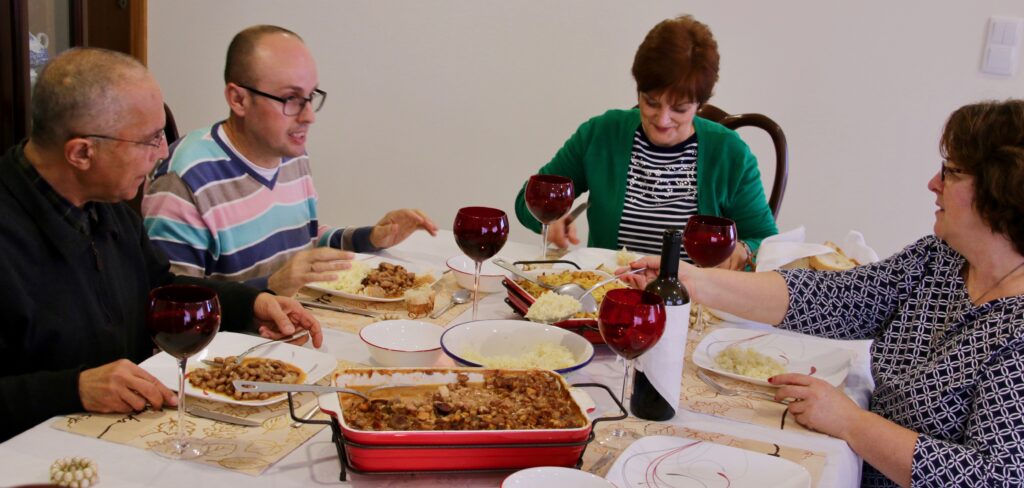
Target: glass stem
[
  {"x": 476, "y": 286},
  {"x": 543, "y": 241},
  {"x": 181, "y": 405},
  {"x": 627, "y": 383}
]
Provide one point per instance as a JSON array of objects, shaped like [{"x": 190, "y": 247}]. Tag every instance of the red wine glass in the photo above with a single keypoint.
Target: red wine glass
[
  {"x": 548, "y": 197},
  {"x": 182, "y": 320},
  {"x": 480, "y": 232},
  {"x": 631, "y": 321},
  {"x": 709, "y": 241}
]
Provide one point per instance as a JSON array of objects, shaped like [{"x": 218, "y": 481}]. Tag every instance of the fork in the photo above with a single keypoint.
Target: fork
[
  {"x": 238, "y": 358},
  {"x": 725, "y": 391}
]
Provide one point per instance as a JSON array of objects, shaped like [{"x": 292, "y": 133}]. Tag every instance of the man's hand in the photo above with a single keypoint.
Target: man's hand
[
  {"x": 562, "y": 232},
  {"x": 122, "y": 387},
  {"x": 279, "y": 317},
  {"x": 307, "y": 267},
  {"x": 397, "y": 225}
]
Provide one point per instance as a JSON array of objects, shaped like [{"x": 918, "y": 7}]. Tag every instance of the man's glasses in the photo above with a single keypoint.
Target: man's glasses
[
  {"x": 946, "y": 170},
  {"x": 294, "y": 105},
  {"x": 156, "y": 141}
]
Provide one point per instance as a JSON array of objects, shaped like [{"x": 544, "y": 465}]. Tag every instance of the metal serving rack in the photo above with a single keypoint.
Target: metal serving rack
[{"x": 340, "y": 443}]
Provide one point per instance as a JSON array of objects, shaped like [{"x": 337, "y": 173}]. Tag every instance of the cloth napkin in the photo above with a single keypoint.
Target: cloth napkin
[
  {"x": 784, "y": 248},
  {"x": 663, "y": 364}
]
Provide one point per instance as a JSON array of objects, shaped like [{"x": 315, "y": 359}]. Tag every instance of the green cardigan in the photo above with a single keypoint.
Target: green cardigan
[{"x": 597, "y": 159}]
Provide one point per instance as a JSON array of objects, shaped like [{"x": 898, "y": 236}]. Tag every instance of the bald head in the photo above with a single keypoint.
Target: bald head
[
  {"x": 239, "y": 66},
  {"x": 79, "y": 91}
]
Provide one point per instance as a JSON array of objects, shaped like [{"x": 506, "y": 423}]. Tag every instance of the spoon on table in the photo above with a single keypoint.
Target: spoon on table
[
  {"x": 570, "y": 289},
  {"x": 458, "y": 298}
]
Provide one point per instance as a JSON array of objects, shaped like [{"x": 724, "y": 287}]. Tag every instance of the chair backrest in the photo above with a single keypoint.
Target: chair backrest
[
  {"x": 171, "y": 133},
  {"x": 736, "y": 121}
]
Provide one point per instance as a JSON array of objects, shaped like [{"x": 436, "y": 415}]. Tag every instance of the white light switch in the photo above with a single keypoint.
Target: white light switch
[{"x": 1002, "y": 49}]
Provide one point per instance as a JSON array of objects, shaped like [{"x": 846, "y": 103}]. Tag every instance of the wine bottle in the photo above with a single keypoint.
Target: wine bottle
[{"x": 656, "y": 383}]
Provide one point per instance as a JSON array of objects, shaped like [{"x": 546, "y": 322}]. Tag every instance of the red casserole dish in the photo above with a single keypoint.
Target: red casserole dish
[
  {"x": 520, "y": 301},
  {"x": 379, "y": 451}
]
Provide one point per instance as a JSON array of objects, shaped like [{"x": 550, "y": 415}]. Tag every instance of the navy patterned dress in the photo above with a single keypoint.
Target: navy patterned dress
[{"x": 950, "y": 371}]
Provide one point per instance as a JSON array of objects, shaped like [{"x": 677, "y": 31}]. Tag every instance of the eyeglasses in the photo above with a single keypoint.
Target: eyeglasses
[
  {"x": 950, "y": 170},
  {"x": 294, "y": 105},
  {"x": 156, "y": 141}
]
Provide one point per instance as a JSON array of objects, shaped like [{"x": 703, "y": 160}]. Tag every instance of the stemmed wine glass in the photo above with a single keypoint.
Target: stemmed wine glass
[
  {"x": 548, "y": 197},
  {"x": 709, "y": 241},
  {"x": 182, "y": 320},
  {"x": 480, "y": 232},
  {"x": 631, "y": 321}
]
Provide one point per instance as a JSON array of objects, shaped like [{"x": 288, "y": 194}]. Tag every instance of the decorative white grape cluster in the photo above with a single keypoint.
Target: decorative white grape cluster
[{"x": 76, "y": 472}]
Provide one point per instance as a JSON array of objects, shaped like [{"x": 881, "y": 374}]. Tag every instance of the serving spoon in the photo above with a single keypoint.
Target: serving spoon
[{"x": 570, "y": 289}]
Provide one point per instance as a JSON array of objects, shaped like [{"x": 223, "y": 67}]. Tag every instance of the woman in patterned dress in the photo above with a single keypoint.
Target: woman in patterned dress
[
  {"x": 652, "y": 167},
  {"x": 946, "y": 315}
]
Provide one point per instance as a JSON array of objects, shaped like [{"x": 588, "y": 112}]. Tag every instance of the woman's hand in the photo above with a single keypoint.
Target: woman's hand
[
  {"x": 738, "y": 259},
  {"x": 818, "y": 405},
  {"x": 279, "y": 317},
  {"x": 562, "y": 232}
]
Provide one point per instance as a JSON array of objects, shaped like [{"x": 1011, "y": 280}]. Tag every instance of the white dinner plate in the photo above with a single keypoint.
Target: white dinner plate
[
  {"x": 373, "y": 262},
  {"x": 315, "y": 363},
  {"x": 798, "y": 354},
  {"x": 670, "y": 462},
  {"x": 554, "y": 477},
  {"x": 592, "y": 257}
]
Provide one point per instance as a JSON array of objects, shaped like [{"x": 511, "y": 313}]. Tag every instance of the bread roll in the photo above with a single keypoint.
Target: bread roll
[
  {"x": 833, "y": 261},
  {"x": 419, "y": 301}
]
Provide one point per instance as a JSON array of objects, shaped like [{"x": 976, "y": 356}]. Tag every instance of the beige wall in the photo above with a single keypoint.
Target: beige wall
[{"x": 445, "y": 103}]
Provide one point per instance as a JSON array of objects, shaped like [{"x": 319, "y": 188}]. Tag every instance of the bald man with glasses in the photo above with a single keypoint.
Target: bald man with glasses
[{"x": 236, "y": 202}]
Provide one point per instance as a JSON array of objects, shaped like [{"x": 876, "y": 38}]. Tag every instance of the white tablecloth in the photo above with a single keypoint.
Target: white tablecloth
[{"x": 26, "y": 458}]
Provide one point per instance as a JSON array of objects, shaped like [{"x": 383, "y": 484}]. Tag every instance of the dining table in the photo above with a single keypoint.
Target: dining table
[{"x": 27, "y": 457}]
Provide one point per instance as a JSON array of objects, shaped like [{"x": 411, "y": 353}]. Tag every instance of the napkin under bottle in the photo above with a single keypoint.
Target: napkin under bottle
[{"x": 663, "y": 363}]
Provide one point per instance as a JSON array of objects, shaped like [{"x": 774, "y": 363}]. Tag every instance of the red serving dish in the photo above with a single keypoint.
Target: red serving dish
[
  {"x": 375, "y": 451},
  {"x": 520, "y": 301}
]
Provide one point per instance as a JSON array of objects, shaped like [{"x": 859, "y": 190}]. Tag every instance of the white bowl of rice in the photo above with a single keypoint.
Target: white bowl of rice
[{"x": 516, "y": 344}]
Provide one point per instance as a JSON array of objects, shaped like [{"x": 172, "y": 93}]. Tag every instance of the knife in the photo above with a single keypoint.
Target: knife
[
  {"x": 220, "y": 417},
  {"x": 577, "y": 211},
  {"x": 336, "y": 308}
]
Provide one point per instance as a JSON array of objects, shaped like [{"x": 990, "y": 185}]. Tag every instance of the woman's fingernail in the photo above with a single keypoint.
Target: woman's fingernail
[{"x": 771, "y": 379}]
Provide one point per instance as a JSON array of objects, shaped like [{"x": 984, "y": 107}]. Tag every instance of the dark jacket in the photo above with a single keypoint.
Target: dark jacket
[{"x": 72, "y": 302}]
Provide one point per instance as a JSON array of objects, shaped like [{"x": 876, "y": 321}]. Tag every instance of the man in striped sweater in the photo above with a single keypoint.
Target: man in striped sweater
[{"x": 235, "y": 201}]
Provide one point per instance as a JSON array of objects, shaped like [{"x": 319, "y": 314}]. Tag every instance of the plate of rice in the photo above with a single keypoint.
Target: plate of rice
[
  {"x": 374, "y": 279},
  {"x": 516, "y": 344},
  {"x": 755, "y": 355}
]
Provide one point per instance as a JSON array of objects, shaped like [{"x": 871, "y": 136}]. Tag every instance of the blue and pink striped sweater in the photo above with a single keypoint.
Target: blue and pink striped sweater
[{"x": 215, "y": 216}]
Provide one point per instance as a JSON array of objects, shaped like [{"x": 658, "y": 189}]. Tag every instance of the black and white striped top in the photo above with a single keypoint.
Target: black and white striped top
[{"x": 661, "y": 193}]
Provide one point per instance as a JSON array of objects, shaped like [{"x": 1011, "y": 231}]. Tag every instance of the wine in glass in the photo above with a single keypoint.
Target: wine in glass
[
  {"x": 480, "y": 232},
  {"x": 182, "y": 319},
  {"x": 548, "y": 197},
  {"x": 631, "y": 321},
  {"x": 709, "y": 241}
]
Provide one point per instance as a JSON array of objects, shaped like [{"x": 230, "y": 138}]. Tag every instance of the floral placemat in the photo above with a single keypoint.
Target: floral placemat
[
  {"x": 352, "y": 323},
  {"x": 250, "y": 450},
  {"x": 598, "y": 459}
]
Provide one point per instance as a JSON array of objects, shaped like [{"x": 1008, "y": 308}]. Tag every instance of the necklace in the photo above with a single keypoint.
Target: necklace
[{"x": 993, "y": 287}]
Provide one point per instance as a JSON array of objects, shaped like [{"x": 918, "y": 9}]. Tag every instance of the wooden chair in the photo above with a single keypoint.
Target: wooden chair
[
  {"x": 736, "y": 121},
  {"x": 171, "y": 133}
]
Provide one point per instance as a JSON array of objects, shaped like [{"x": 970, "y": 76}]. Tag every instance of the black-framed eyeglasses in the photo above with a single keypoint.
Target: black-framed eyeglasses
[
  {"x": 946, "y": 170},
  {"x": 294, "y": 105},
  {"x": 156, "y": 141}
]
